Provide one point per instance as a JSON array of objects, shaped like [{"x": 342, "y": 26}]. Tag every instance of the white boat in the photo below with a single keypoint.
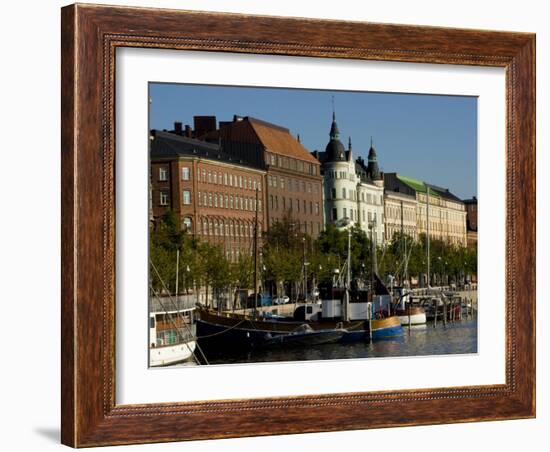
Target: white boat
[
  {"x": 415, "y": 318},
  {"x": 172, "y": 337}
]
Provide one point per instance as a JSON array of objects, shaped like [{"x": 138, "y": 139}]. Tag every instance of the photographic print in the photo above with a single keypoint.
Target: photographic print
[{"x": 292, "y": 224}]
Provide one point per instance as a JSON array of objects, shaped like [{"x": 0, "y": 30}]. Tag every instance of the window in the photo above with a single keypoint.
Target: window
[
  {"x": 187, "y": 223},
  {"x": 344, "y": 193},
  {"x": 163, "y": 174},
  {"x": 215, "y": 200},
  {"x": 298, "y": 205},
  {"x": 282, "y": 182},
  {"x": 186, "y": 197},
  {"x": 226, "y": 201},
  {"x": 345, "y": 212},
  {"x": 333, "y": 193},
  {"x": 163, "y": 198},
  {"x": 210, "y": 199},
  {"x": 185, "y": 173},
  {"x": 231, "y": 202},
  {"x": 334, "y": 213},
  {"x": 316, "y": 208},
  {"x": 225, "y": 178}
]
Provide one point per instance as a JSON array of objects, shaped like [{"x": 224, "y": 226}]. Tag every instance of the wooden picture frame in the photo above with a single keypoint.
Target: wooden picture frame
[{"x": 90, "y": 36}]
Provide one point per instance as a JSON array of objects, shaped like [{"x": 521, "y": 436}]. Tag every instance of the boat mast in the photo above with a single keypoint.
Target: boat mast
[
  {"x": 428, "y": 232},
  {"x": 403, "y": 246},
  {"x": 345, "y": 314},
  {"x": 177, "y": 277},
  {"x": 256, "y": 257},
  {"x": 304, "y": 266}
]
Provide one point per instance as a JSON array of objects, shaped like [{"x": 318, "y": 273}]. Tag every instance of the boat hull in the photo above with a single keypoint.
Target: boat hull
[
  {"x": 305, "y": 339},
  {"x": 386, "y": 328},
  {"x": 417, "y": 315},
  {"x": 171, "y": 354}
]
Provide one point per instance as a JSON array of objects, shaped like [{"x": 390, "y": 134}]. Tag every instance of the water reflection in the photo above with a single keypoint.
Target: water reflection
[{"x": 455, "y": 338}]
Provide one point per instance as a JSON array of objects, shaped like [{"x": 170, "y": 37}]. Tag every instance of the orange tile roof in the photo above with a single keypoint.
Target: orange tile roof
[{"x": 278, "y": 140}]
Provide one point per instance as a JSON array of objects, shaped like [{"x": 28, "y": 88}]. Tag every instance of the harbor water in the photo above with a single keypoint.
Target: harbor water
[{"x": 454, "y": 338}]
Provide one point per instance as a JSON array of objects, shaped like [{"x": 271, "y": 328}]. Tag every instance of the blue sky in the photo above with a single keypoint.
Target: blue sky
[{"x": 428, "y": 137}]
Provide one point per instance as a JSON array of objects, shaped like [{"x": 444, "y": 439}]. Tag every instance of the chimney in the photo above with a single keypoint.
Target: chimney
[
  {"x": 204, "y": 125},
  {"x": 188, "y": 131},
  {"x": 177, "y": 128}
]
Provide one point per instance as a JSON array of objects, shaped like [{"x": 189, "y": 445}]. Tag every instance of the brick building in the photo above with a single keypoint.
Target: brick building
[
  {"x": 212, "y": 191},
  {"x": 293, "y": 180}
]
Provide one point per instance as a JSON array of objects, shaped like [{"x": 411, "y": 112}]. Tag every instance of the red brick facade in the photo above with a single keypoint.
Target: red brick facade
[{"x": 215, "y": 200}]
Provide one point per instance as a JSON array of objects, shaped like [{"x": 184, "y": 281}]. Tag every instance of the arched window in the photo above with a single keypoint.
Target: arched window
[{"x": 187, "y": 224}]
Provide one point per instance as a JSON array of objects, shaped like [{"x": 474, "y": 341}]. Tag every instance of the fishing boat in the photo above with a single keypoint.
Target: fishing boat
[
  {"x": 171, "y": 336},
  {"x": 252, "y": 331},
  {"x": 172, "y": 327}
]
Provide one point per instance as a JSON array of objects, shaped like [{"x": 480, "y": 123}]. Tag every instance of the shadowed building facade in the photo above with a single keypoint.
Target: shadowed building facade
[
  {"x": 212, "y": 191},
  {"x": 471, "y": 221}
]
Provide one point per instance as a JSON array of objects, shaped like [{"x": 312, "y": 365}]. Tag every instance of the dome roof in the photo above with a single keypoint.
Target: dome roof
[{"x": 335, "y": 150}]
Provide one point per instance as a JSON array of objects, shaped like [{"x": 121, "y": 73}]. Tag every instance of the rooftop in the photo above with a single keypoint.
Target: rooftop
[{"x": 167, "y": 145}]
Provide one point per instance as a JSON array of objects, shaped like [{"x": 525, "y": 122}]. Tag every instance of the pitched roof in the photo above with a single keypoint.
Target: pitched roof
[
  {"x": 422, "y": 187},
  {"x": 278, "y": 139}
]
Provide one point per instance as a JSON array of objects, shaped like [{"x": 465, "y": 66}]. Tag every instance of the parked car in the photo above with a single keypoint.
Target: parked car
[{"x": 281, "y": 300}]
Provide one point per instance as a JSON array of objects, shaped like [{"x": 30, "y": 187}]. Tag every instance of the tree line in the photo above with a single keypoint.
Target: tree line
[{"x": 290, "y": 260}]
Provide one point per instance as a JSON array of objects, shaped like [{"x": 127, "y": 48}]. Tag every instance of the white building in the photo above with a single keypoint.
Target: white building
[{"x": 353, "y": 192}]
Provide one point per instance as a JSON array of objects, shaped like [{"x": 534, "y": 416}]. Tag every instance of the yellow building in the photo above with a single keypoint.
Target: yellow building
[
  {"x": 399, "y": 214},
  {"x": 442, "y": 214}
]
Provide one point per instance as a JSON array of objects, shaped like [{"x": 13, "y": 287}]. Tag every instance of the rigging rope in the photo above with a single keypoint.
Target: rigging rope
[{"x": 174, "y": 304}]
